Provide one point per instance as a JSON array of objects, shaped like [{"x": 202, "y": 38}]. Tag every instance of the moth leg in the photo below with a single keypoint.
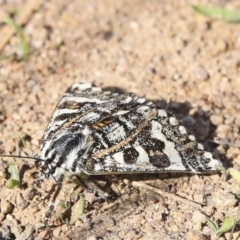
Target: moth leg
[
  {"x": 99, "y": 185},
  {"x": 51, "y": 206},
  {"x": 92, "y": 185}
]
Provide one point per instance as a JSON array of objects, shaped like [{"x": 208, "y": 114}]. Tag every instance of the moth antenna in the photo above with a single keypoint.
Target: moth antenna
[{"x": 24, "y": 157}]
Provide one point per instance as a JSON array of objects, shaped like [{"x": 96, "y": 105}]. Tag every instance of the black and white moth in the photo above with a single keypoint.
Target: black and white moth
[{"x": 99, "y": 132}]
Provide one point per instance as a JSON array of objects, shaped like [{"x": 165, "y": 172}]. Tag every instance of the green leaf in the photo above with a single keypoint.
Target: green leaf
[
  {"x": 81, "y": 205},
  {"x": 227, "y": 224},
  {"x": 66, "y": 213},
  {"x": 80, "y": 210},
  {"x": 213, "y": 225},
  {"x": 11, "y": 183},
  {"x": 62, "y": 204},
  {"x": 21, "y": 139},
  {"x": 4, "y": 57},
  {"x": 76, "y": 182},
  {"x": 14, "y": 179},
  {"x": 24, "y": 44},
  {"x": 13, "y": 11},
  {"x": 235, "y": 174},
  {"x": 218, "y": 13}
]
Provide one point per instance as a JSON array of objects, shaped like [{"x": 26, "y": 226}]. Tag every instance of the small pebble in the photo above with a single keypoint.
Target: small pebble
[
  {"x": 6, "y": 207},
  {"x": 223, "y": 130},
  {"x": 64, "y": 228},
  {"x": 21, "y": 203},
  {"x": 223, "y": 200},
  {"x": 29, "y": 194},
  {"x": 127, "y": 181},
  {"x": 2, "y": 216},
  {"x": 201, "y": 73},
  {"x": 235, "y": 235},
  {"x": 56, "y": 232},
  {"x": 216, "y": 119},
  {"x": 174, "y": 228},
  {"x": 92, "y": 238},
  {"x": 64, "y": 238},
  {"x": 194, "y": 235},
  {"x": 206, "y": 230},
  {"x": 27, "y": 234},
  {"x": 44, "y": 234},
  {"x": 233, "y": 152},
  {"x": 198, "y": 217}
]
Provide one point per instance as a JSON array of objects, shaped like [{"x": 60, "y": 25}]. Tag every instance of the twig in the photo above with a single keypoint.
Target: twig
[
  {"x": 7, "y": 32},
  {"x": 169, "y": 195},
  {"x": 225, "y": 142}
]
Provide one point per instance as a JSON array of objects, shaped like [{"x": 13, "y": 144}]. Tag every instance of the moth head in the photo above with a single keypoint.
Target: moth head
[{"x": 63, "y": 153}]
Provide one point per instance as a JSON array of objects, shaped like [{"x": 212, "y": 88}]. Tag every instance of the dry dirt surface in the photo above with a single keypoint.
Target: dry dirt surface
[{"x": 158, "y": 49}]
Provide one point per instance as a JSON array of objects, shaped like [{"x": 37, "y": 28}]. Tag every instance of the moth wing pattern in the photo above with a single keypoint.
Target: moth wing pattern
[
  {"x": 158, "y": 143},
  {"x": 100, "y": 132}
]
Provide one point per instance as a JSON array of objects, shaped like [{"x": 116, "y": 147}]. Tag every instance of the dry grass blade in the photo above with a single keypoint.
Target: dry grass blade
[
  {"x": 6, "y": 33},
  {"x": 218, "y": 13},
  {"x": 169, "y": 195},
  {"x": 24, "y": 47}
]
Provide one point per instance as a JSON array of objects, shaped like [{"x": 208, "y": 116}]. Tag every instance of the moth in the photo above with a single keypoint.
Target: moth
[{"x": 98, "y": 132}]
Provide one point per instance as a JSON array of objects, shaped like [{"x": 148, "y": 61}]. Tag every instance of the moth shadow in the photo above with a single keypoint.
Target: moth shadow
[{"x": 120, "y": 184}]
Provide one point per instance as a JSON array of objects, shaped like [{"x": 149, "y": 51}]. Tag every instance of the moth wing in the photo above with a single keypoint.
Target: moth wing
[
  {"x": 147, "y": 140},
  {"x": 84, "y": 104}
]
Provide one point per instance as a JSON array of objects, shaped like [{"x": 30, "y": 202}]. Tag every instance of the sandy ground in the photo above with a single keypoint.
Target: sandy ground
[{"x": 158, "y": 49}]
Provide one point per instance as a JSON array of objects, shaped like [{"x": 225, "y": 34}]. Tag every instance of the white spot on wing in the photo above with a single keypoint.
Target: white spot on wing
[
  {"x": 98, "y": 167},
  {"x": 119, "y": 113},
  {"x": 86, "y": 131},
  {"x": 99, "y": 137},
  {"x": 126, "y": 100},
  {"x": 81, "y": 85},
  {"x": 200, "y": 146},
  {"x": 116, "y": 134},
  {"x": 162, "y": 113},
  {"x": 169, "y": 150},
  {"x": 45, "y": 147},
  {"x": 96, "y": 89},
  {"x": 173, "y": 121},
  {"x": 91, "y": 116},
  {"x": 214, "y": 163},
  {"x": 81, "y": 100},
  {"x": 129, "y": 124},
  {"x": 207, "y": 155},
  {"x": 118, "y": 157},
  {"x": 63, "y": 111},
  {"x": 141, "y": 100},
  {"x": 143, "y": 156},
  {"x": 182, "y": 130},
  {"x": 191, "y": 137},
  {"x": 143, "y": 110}
]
